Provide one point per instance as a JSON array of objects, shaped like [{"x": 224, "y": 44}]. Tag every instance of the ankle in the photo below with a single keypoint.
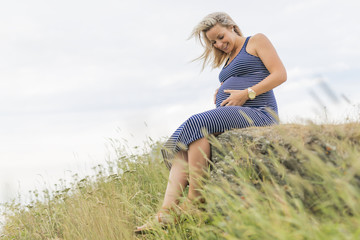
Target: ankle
[
  {"x": 196, "y": 199},
  {"x": 170, "y": 205}
]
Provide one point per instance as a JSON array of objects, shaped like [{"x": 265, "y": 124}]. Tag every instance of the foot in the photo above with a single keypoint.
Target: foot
[
  {"x": 161, "y": 220},
  {"x": 192, "y": 206}
]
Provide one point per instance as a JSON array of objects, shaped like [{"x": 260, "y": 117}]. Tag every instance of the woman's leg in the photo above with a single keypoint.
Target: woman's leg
[
  {"x": 178, "y": 180},
  {"x": 198, "y": 156},
  {"x": 187, "y": 168}
]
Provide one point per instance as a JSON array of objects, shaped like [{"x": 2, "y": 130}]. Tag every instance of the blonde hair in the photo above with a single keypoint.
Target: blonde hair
[{"x": 213, "y": 55}]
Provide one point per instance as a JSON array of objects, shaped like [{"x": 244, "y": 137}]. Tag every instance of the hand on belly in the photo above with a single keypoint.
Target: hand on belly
[
  {"x": 236, "y": 98},
  {"x": 233, "y": 92}
]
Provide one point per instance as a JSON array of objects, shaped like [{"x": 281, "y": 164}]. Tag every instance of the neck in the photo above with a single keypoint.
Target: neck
[{"x": 239, "y": 42}]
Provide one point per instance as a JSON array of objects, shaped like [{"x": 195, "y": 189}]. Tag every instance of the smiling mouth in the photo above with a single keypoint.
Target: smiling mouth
[{"x": 226, "y": 47}]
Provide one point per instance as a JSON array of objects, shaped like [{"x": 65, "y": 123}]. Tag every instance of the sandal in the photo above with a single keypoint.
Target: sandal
[{"x": 162, "y": 219}]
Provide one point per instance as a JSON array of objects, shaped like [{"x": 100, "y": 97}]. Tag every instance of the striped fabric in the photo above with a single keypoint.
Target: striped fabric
[{"x": 244, "y": 71}]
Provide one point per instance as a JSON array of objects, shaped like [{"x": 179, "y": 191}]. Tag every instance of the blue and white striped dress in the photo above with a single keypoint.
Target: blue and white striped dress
[{"x": 244, "y": 71}]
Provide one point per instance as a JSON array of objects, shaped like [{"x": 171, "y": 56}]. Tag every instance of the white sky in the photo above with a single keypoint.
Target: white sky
[{"x": 75, "y": 73}]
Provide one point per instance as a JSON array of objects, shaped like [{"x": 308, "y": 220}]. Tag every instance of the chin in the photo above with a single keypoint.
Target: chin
[{"x": 228, "y": 50}]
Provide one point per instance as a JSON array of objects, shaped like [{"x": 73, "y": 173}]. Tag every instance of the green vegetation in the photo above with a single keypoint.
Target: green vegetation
[{"x": 310, "y": 190}]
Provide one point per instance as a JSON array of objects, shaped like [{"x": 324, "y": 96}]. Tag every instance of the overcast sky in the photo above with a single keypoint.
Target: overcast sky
[{"x": 74, "y": 74}]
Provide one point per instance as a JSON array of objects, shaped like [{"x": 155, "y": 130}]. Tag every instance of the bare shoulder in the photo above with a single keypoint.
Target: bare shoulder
[
  {"x": 268, "y": 55},
  {"x": 259, "y": 40},
  {"x": 259, "y": 37},
  {"x": 256, "y": 42}
]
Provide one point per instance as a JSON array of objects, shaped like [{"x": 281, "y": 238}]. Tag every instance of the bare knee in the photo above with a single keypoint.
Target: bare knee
[
  {"x": 200, "y": 141},
  {"x": 199, "y": 148}
]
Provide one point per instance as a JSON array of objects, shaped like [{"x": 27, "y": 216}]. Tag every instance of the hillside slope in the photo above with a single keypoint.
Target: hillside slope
[{"x": 280, "y": 182}]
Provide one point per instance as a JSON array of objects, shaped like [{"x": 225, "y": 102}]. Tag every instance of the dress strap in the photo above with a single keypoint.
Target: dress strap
[{"x": 246, "y": 42}]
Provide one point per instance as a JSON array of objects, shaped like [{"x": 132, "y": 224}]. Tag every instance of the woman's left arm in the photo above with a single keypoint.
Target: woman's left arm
[{"x": 268, "y": 55}]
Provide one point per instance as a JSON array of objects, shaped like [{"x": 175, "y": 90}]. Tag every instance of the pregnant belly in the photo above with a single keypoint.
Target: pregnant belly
[{"x": 233, "y": 83}]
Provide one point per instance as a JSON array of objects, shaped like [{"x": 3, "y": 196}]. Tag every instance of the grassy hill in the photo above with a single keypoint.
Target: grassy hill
[{"x": 283, "y": 182}]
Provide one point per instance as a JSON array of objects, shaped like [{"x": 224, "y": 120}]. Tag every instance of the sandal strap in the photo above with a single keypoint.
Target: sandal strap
[{"x": 159, "y": 217}]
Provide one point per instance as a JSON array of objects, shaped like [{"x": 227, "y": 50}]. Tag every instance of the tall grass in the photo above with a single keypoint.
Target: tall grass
[{"x": 290, "y": 182}]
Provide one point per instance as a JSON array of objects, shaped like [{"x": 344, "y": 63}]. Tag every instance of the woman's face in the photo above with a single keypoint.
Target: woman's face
[{"x": 222, "y": 38}]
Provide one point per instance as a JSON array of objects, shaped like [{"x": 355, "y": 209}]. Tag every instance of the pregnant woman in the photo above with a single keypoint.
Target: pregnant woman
[{"x": 251, "y": 69}]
